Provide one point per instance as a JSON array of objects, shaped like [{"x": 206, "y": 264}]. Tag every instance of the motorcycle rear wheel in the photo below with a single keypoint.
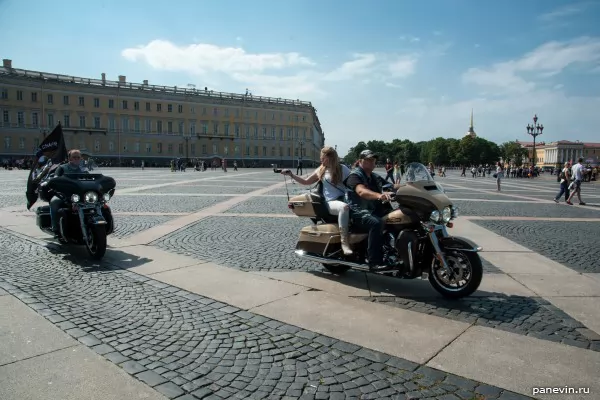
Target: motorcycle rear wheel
[
  {"x": 96, "y": 246},
  {"x": 471, "y": 265},
  {"x": 336, "y": 268}
]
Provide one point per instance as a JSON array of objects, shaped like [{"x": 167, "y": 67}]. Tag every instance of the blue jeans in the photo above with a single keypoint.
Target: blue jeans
[
  {"x": 55, "y": 205},
  {"x": 365, "y": 221},
  {"x": 564, "y": 188}
]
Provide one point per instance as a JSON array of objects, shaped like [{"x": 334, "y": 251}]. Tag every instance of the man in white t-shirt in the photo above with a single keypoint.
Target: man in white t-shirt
[{"x": 577, "y": 176}]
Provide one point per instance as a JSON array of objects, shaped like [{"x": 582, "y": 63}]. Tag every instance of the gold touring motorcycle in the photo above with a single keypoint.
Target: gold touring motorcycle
[{"x": 416, "y": 242}]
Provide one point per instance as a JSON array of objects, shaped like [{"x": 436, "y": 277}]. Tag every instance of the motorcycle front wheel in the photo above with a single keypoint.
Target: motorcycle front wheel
[
  {"x": 467, "y": 272},
  {"x": 96, "y": 245}
]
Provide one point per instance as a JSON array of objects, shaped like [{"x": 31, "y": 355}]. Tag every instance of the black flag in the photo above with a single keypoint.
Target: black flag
[{"x": 52, "y": 149}]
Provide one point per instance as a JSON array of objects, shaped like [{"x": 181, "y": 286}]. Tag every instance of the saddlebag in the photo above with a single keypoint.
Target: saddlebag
[
  {"x": 311, "y": 204},
  {"x": 319, "y": 239},
  {"x": 43, "y": 217}
]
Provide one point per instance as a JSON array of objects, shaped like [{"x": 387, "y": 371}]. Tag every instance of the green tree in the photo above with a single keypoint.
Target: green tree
[{"x": 512, "y": 153}]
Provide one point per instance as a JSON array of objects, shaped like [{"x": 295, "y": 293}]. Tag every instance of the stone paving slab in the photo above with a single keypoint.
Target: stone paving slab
[
  {"x": 243, "y": 290},
  {"x": 573, "y": 244},
  {"x": 184, "y": 343},
  {"x": 76, "y": 373},
  {"x": 22, "y": 335},
  {"x": 498, "y": 356},
  {"x": 529, "y": 316}
]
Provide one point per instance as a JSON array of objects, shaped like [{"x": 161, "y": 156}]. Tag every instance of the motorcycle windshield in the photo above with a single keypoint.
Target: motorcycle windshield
[
  {"x": 70, "y": 184},
  {"x": 417, "y": 172}
]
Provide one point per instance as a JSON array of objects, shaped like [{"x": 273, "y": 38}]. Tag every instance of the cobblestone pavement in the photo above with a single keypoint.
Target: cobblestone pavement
[
  {"x": 528, "y": 209},
  {"x": 264, "y": 205},
  {"x": 247, "y": 243},
  {"x": 188, "y": 347},
  {"x": 126, "y": 225},
  {"x": 523, "y": 315},
  {"x": 242, "y": 242},
  {"x": 215, "y": 188},
  {"x": 164, "y": 204},
  {"x": 573, "y": 244},
  {"x": 10, "y": 200},
  {"x": 483, "y": 196}
]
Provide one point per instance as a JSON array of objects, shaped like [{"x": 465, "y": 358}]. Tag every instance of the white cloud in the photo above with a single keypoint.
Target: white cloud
[
  {"x": 201, "y": 58},
  {"x": 289, "y": 74},
  {"x": 374, "y": 65},
  {"x": 410, "y": 38},
  {"x": 546, "y": 61},
  {"x": 361, "y": 65},
  {"x": 298, "y": 86},
  {"x": 403, "y": 67},
  {"x": 393, "y": 85},
  {"x": 563, "y": 12}
]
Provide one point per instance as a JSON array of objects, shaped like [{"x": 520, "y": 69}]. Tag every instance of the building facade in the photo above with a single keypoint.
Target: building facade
[
  {"x": 121, "y": 122},
  {"x": 555, "y": 154}
]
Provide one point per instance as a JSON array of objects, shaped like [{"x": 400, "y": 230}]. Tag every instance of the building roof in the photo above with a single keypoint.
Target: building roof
[
  {"x": 7, "y": 70},
  {"x": 542, "y": 144}
]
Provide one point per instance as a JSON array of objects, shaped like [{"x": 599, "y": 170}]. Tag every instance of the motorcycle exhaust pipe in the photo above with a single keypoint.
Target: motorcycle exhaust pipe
[{"x": 324, "y": 260}]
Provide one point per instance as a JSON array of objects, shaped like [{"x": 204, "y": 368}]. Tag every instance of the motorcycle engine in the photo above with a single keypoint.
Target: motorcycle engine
[{"x": 390, "y": 254}]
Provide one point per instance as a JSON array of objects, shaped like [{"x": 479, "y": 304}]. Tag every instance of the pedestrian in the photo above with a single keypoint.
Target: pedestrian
[
  {"x": 499, "y": 174},
  {"x": 397, "y": 176},
  {"x": 577, "y": 176},
  {"x": 564, "y": 177}
]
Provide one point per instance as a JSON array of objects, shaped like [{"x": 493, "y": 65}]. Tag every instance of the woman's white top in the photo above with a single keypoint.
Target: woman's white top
[{"x": 331, "y": 191}]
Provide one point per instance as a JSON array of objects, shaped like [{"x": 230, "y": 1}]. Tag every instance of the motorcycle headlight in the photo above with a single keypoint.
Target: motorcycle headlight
[
  {"x": 435, "y": 216},
  {"x": 454, "y": 212},
  {"x": 75, "y": 198},
  {"x": 447, "y": 214},
  {"x": 106, "y": 197},
  {"x": 91, "y": 197}
]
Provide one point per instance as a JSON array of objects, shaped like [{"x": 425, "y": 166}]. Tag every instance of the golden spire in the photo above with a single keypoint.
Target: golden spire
[
  {"x": 471, "y": 131},
  {"x": 471, "y": 126}
]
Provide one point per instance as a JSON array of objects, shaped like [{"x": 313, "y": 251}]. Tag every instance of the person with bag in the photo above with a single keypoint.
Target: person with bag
[
  {"x": 499, "y": 174},
  {"x": 564, "y": 177},
  {"x": 331, "y": 174}
]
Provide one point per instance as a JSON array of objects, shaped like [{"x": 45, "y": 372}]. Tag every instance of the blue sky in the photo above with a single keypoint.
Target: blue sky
[{"x": 374, "y": 70}]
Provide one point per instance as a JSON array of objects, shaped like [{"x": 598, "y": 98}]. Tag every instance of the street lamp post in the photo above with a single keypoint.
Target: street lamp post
[
  {"x": 301, "y": 143},
  {"x": 534, "y": 130},
  {"x": 187, "y": 137}
]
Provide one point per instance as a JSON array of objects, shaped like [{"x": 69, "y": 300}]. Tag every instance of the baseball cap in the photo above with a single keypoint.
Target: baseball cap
[{"x": 367, "y": 154}]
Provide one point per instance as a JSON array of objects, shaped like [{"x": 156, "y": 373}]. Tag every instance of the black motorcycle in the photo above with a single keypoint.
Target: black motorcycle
[{"x": 85, "y": 217}]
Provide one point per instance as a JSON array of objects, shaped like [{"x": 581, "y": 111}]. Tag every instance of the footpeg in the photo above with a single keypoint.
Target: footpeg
[{"x": 424, "y": 276}]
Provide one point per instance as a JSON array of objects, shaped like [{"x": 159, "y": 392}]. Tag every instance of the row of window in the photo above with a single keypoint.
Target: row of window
[
  {"x": 153, "y": 126},
  {"x": 158, "y": 107},
  {"x": 223, "y": 149}
]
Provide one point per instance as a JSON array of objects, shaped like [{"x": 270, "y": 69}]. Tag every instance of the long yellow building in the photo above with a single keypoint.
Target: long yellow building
[{"x": 121, "y": 122}]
